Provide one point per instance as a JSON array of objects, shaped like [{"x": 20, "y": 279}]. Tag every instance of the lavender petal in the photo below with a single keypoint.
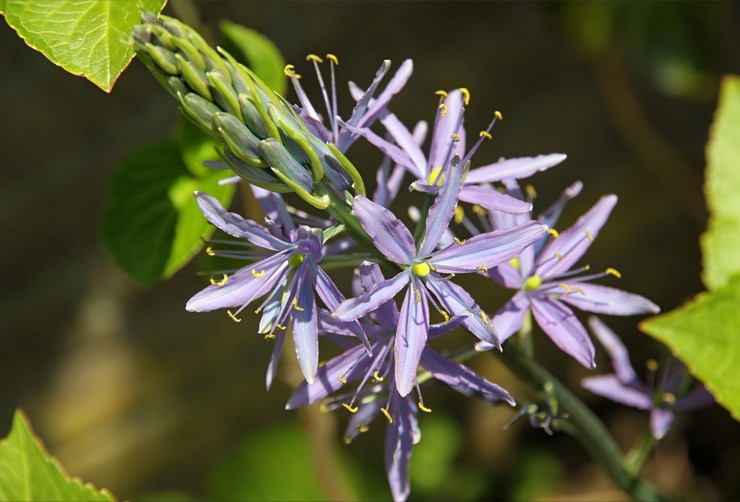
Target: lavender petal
[
  {"x": 411, "y": 337},
  {"x": 390, "y": 236},
  {"x": 611, "y": 387},
  {"x": 605, "y": 300},
  {"x": 660, "y": 422},
  {"x": 492, "y": 200},
  {"x": 518, "y": 168},
  {"x": 564, "y": 329},
  {"x": 305, "y": 325},
  {"x": 354, "y": 308},
  {"x": 440, "y": 214},
  {"x": 616, "y": 350}
]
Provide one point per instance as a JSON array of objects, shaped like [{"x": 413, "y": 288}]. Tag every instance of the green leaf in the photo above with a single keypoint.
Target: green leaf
[
  {"x": 89, "y": 38},
  {"x": 258, "y": 53},
  {"x": 704, "y": 335},
  {"x": 28, "y": 473},
  {"x": 721, "y": 243},
  {"x": 151, "y": 225}
]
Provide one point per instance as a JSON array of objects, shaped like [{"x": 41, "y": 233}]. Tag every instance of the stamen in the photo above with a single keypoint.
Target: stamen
[
  {"x": 554, "y": 233},
  {"x": 652, "y": 365},
  {"x": 424, "y": 408},
  {"x": 579, "y": 290},
  {"x": 485, "y": 134},
  {"x": 441, "y": 93},
  {"x": 294, "y": 304},
  {"x": 418, "y": 296},
  {"x": 466, "y": 95},
  {"x": 458, "y": 214},
  {"x": 483, "y": 269},
  {"x": 565, "y": 287},
  {"x": 333, "y": 59},
  {"x": 431, "y": 267},
  {"x": 222, "y": 282},
  {"x": 280, "y": 327},
  {"x": 233, "y": 317},
  {"x": 258, "y": 274},
  {"x": 455, "y": 138},
  {"x": 459, "y": 242},
  {"x": 210, "y": 252},
  {"x": 588, "y": 234},
  {"x": 341, "y": 378},
  {"x": 445, "y": 315},
  {"x": 314, "y": 57},
  {"x": 498, "y": 115},
  {"x": 387, "y": 415},
  {"x": 270, "y": 336},
  {"x": 558, "y": 256},
  {"x": 352, "y": 409},
  {"x": 484, "y": 317},
  {"x": 362, "y": 428},
  {"x": 614, "y": 272},
  {"x": 289, "y": 71},
  {"x": 443, "y": 107},
  {"x": 377, "y": 377},
  {"x": 479, "y": 210},
  {"x": 530, "y": 191},
  {"x": 669, "y": 398}
]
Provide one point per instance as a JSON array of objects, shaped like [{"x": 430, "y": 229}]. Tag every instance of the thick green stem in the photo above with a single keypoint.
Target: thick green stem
[{"x": 640, "y": 452}]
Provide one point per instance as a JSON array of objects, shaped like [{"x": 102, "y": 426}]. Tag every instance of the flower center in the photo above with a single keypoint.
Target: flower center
[
  {"x": 421, "y": 269},
  {"x": 532, "y": 283},
  {"x": 295, "y": 260}
]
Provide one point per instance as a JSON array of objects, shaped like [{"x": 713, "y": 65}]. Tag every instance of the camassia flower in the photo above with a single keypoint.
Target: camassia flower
[
  {"x": 663, "y": 394},
  {"x": 288, "y": 273},
  {"x": 547, "y": 284},
  {"x": 422, "y": 268},
  {"x": 376, "y": 393}
]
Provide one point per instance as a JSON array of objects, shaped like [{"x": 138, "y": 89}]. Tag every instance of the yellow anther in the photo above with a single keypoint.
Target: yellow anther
[
  {"x": 588, "y": 234},
  {"x": 652, "y": 365},
  {"x": 270, "y": 336},
  {"x": 280, "y": 327},
  {"x": 441, "y": 93},
  {"x": 445, "y": 315},
  {"x": 530, "y": 191},
  {"x": 452, "y": 274},
  {"x": 210, "y": 252},
  {"x": 233, "y": 317},
  {"x": 258, "y": 274},
  {"x": 498, "y": 115},
  {"x": 554, "y": 233},
  {"x": 669, "y": 398},
  {"x": 443, "y": 107},
  {"x": 558, "y": 256},
  {"x": 341, "y": 378},
  {"x": 579, "y": 290},
  {"x": 377, "y": 377},
  {"x": 294, "y": 304},
  {"x": 362, "y": 428},
  {"x": 466, "y": 95},
  {"x": 485, "y": 134},
  {"x": 314, "y": 57},
  {"x": 459, "y": 242},
  {"x": 289, "y": 70},
  {"x": 418, "y": 296},
  {"x": 458, "y": 215},
  {"x": 322, "y": 409},
  {"x": 455, "y": 137},
  {"x": 565, "y": 287},
  {"x": 479, "y": 210},
  {"x": 387, "y": 415},
  {"x": 483, "y": 269},
  {"x": 587, "y": 267},
  {"x": 514, "y": 262},
  {"x": 333, "y": 59},
  {"x": 258, "y": 311},
  {"x": 212, "y": 280},
  {"x": 432, "y": 267},
  {"x": 424, "y": 408},
  {"x": 614, "y": 272},
  {"x": 350, "y": 407},
  {"x": 222, "y": 281},
  {"x": 484, "y": 317}
]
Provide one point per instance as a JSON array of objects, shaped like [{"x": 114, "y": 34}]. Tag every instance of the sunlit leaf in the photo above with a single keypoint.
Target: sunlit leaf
[
  {"x": 27, "y": 472},
  {"x": 89, "y": 38}
]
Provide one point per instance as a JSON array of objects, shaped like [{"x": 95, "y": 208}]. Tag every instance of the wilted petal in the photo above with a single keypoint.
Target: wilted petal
[
  {"x": 521, "y": 167},
  {"x": 487, "y": 250},
  {"x": 560, "y": 254},
  {"x": 463, "y": 379},
  {"x": 616, "y": 350},
  {"x": 235, "y": 225},
  {"x": 440, "y": 214},
  {"x": 605, "y": 300},
  {"x": 411, "y": 337},
  {"x": 399, "y": 441},
  {"x": 660, "y": 422},
  {"x": 390, "y": 236},
  {"x": 493, "y": 200},
  {"x": 564, "y": 329},
  {"x": 305, "y": 325},
  {"x": 242, "y": 287},
  {"x": 354, "y": 308},
  {"x": 611, "y": 387}
]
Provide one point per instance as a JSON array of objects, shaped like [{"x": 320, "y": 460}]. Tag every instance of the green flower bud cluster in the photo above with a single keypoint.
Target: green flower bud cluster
[{"x": 264, "y": 140}]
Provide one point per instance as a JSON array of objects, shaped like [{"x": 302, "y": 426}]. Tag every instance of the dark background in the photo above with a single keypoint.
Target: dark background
[{"x": 135, "y": 394}]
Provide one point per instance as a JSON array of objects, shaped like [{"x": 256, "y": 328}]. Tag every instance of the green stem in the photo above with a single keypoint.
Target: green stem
[
  {"x": 635, "y": 459},
  {"x": 421, "y": 226}
]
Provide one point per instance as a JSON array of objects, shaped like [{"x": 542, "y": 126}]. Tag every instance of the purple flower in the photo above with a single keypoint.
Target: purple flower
[
  {"x": 288, "y": 273},
  {"x": 422, "y": 269},
  {"x": 663, "y": 395},
  {"x": 547, "y": 283},
  {"x": 448, "y": 139},
  {"x": 376, "y": 393}
]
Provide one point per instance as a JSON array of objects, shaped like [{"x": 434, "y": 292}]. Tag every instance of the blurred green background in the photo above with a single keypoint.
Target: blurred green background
[{"x": 133, "y": 393}]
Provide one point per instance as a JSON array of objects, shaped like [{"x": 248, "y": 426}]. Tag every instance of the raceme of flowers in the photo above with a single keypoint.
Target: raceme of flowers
[{"x": 470, "y": 220}]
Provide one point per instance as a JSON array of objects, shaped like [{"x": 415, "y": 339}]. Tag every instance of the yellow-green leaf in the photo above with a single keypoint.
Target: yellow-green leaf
[{"x": 90, "y": 38}]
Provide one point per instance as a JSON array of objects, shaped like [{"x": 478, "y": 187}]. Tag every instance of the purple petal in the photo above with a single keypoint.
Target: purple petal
[
  {"x": 397, "y": 82},
  {"x": 411, "y": 337},
  {"x": 272, "y": 366},
  {"x": 509, "y": 319},
  {"x": 354, "y": 308},
  {"x": 605, "y": 300},
  {"x": 242, "y": 287},
  {"x": 363, "y": 418},
  {"x": 442, "y": 328},
  {"x": 399, "y": 441},
  {"x": 329, "y": 324},
  {"x": 698, "y": 398},
  {"x": 462, "y": 379},
  {"x": 388, "y": 183},
  {"x": 274, "y": 207},
  {"x": 440, "y": 214},
  {"x": 407, "y": 142},
  {"x": 235, "y": 225},
  {"x": 456, "y": 301},
  {"x": 616, "y": 350},
  {"x": 551, "y": 215},
  {"x": 305, "y": 325},
  {"x": 493, "y": 200},
  {"x": 390, "y": 236},
  {"x": 332, "y": 298},
  {"x": 660, "y": 422},
  {"x": 611, "y": 387},
  {"x": 487, "y": 250},
  {"x": 564, "y": 329},
  {"x": 371, "y": 276},
  {"x": 506, "y": 275},
  {"x": 522, "y": 167},
  {"x": 358, "y": 112},
  {"x": 443, "y": 145},
  {"x": 560, "y": 254},
  {"x": 396, "y": 154}
]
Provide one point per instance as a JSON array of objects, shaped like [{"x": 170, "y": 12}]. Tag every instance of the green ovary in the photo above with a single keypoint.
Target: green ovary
[
  {"x": 421, "y": 269},
  {"x": 295, "y": 260}
]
